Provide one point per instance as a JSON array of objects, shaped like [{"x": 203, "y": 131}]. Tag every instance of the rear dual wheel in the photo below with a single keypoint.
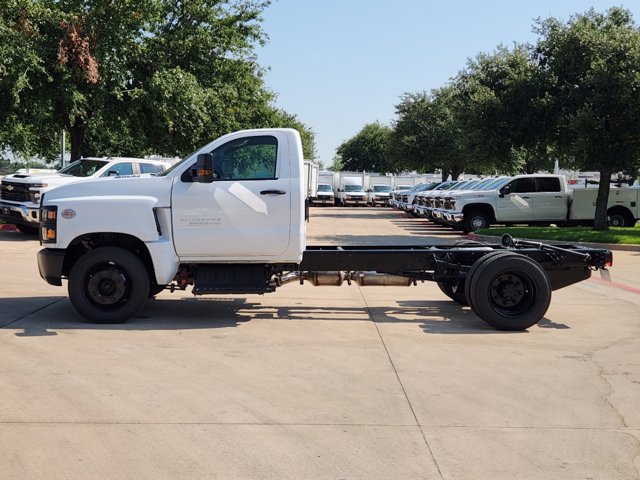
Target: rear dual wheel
[{"x": 507, "y": 290}]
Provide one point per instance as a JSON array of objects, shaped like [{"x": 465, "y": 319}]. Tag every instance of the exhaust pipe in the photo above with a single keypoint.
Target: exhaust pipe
[{"x": 336, "y": 279}]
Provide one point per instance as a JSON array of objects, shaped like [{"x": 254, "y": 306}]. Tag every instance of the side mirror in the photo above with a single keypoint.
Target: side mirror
[
  {"x": 112, "y": 173},
  {"x": 506, "y": 190},
  {"x": 204, "y": 168}
]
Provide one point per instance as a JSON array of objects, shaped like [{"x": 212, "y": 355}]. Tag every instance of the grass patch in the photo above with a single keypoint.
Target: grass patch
[{"x": 621, "y": 236}]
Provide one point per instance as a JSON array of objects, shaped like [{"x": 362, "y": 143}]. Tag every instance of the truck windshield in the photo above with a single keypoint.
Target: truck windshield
[
  {"x": 323, "y": 187},
  {"x": 381, "y": 188},
  {"x": 83, "y": 167},
  {"x": 497, "y": 183},
  {"x": 352, "y": 188}
]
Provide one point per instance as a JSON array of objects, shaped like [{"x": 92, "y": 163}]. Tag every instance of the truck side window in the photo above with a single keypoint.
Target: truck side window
[
  {"x": 150, "y": 168},
  {"x": 125, "y": 168},
  {"x": 548, "y": 184},
  {"x": 523, "y": 185},
  {"x": 250, "y": 158}
]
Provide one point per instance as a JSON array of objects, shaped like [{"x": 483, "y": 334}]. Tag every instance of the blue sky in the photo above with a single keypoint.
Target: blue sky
[{"x": 340, "y": 64}]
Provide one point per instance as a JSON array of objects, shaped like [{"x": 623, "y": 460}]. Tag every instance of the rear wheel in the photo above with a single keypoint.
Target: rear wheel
[
  {"x": 509, "y": 291},
  {"x": 454, "y": 293},
  {"x": 108, "y": 285},
  {"x": 621, "y": 218}
]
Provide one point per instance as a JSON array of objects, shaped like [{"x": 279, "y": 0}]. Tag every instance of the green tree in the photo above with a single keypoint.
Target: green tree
[
  {"x": 592, "y": 64},
  {"x": 368, "y": 150},
  {"x": 430, "y": 133},
  {"x": 131, "y": 77},
  {"x": 507, "y": 112}
]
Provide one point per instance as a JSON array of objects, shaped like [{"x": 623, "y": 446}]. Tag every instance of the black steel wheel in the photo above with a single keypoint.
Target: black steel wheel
[
  {"x": 455, "y": 294},
  {"x": 509, "y": 291},
  {"x": 474, "y": 268},
  {"x": 108, "y": 285}
]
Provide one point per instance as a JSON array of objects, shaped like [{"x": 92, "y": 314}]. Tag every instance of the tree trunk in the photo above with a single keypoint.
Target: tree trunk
[
  {"x": 445, "y": 175},
  {"x": 77, "y": 132},
  {"x": 600, "y": 221},
  {"x": 455, "y": 173}
]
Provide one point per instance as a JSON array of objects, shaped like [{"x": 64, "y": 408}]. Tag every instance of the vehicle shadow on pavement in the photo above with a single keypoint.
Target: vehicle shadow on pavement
[
  {"x": 433, "y": 317},
  {"x": 425, "y": 227}
]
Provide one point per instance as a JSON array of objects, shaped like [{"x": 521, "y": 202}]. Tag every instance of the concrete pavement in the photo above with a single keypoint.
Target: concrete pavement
[{"x": 319, "y": 382}]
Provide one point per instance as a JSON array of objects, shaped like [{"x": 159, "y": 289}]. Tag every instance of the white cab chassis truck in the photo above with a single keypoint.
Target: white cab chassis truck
[{"x": 231, "y": 219}]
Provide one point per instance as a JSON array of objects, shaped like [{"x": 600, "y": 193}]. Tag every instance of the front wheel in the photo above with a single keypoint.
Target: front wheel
[
  {"x": 108, "y": 285},
  {"x": 475, "y": 221}
]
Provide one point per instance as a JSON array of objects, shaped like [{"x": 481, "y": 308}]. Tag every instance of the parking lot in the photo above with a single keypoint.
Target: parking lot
[{"x": 320, "y": 382}]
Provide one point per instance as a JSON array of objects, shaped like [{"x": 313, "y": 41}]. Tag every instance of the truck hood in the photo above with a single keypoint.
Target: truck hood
[
  {"x": 149, "y": 186},
  {"x": 32, "y": 177}
]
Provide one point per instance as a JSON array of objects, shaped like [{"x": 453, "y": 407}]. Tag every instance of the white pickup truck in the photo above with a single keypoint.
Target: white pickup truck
[
  {"x": 231, "y": 219},
  {"x": 20, "y": 192},
  {"x": 537, "y": 199}
]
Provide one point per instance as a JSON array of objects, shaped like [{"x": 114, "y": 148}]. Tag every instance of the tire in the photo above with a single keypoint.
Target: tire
[
  {"x": 27, "y": 230},
  {"x": 509, "y": 291},
  {"x": 475, "y": 221},
  {"x": 108, "y": 285},
  {"x": 472, "y": 273},
  {"x": 621, "y": 219},
  {"x": 458, "y": 297}
]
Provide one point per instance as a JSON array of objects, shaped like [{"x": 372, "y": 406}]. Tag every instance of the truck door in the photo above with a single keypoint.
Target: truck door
[
  {"x": 516, "y": 206},
  {"x": 246, "y": 211},
  {"x": 549, "y": 201}
]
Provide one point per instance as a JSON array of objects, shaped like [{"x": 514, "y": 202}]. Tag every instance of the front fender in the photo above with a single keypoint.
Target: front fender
[{"x": 131, "y": 215}]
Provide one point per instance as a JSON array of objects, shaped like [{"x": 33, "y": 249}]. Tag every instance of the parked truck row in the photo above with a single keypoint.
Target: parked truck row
[
  {"x": 539, "y": 199},
  {"x": 360, "y": 188}
]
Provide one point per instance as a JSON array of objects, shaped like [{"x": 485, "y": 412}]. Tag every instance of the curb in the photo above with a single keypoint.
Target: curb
[
  {"x": 608, "y": 246},
  {"x": 7, "y": 227}
]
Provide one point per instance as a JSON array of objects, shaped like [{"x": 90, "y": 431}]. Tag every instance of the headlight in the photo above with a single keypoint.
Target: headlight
[
  {"x": 39, "y": 185},
  {"x": 48, "y": 224}
]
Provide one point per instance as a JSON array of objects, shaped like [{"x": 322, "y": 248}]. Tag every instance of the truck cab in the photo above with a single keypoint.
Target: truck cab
[
  {"x": 352, "y": 194},
  {"x": 324, "y": 195},
  {"x": 379, "y": 194}
]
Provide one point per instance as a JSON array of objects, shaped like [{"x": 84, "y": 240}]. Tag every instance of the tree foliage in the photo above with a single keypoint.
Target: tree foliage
[
  {"x": 507, "y": 111},
  {"x": 131, "y": 77},
  {"x": 367, "y": 150},
  {"x": 592, "y": 64}
]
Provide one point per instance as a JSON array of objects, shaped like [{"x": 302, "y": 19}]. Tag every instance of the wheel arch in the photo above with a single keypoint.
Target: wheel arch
[
  {"x": 480, "y": 207},
  {"x": 623, "y": 211},
  {"x": 86, "y": 242}
]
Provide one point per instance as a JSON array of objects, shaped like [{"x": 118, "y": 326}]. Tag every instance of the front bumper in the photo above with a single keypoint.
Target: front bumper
[
  {"x": 19, "y": 214},
  {"x": 50, "y": 261},
  {"x": 322, "y": 201}
]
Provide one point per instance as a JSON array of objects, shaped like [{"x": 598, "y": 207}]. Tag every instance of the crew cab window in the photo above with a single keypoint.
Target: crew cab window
[
  {"x": 250, "y": 158},
  {"x": 150, "y": 168},
  {"x": 548, "y": 184},
  {"x": 124, "y": 168},
  {"x": 523, "y": 185}
]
